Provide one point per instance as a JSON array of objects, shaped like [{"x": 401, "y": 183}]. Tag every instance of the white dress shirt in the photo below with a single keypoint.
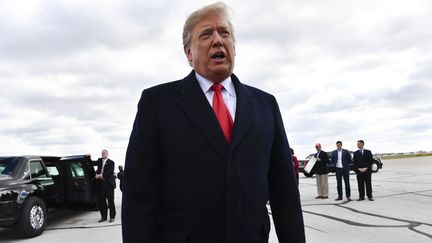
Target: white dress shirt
[
  {"x": 103, "y": 165},
  {"x": 228, "y": 92},
  {"x": 339, "y": 161}
]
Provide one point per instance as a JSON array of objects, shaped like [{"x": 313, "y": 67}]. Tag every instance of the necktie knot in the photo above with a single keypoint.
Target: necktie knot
[{"x": 217, "y": 87}]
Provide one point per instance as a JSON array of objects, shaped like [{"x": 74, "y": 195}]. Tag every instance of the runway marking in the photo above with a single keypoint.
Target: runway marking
[
  {"x": 350, "y": 222},
  {"x": 404, "y": 193},
  {"x": 420, "y": 232},
  {"x": 410, "y": 224},
  {"x": 83, "y": 227},
  {"x": 310, "y": 227},
  {"x": 416, "y": 223}
]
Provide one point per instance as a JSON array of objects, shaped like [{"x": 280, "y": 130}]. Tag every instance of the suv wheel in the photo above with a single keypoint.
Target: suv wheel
[
  {"x": 374, "y": 167},
  {"x": 33, "y": 218}
]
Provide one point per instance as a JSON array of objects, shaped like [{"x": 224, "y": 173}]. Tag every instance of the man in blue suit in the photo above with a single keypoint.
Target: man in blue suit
[
  {"x": 342, "y": 160},
  {"x": 207, "y": 152}
]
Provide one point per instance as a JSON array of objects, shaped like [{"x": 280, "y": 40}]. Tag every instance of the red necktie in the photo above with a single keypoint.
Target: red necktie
[{"x": 222, "y": 112}]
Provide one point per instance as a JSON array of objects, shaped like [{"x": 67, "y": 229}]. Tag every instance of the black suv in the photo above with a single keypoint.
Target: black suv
[
  {"x": 376, "y": 165},
  {"x": 31, "y": 184}
]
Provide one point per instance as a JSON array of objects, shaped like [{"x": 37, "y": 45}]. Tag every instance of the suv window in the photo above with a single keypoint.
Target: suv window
[
  {"x": 37, "y": 170},
  {"x": 2, "y": 167},
  {"x": 8, "y": 166},
  {"x": 76, "y": 169},
  {"x": 52, "y": 170}
]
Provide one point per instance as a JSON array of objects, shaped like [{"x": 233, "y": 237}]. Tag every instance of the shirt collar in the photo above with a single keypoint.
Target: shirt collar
[{"x": 206, "y": 84}]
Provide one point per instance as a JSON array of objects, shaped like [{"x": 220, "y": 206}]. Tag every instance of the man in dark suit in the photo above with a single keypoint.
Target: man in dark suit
[
  {"x": 363, "y": 160},
  {"x": 106, "y": 184},
  {"x": 342, "y": 160},
  {"x": 321, "y": 170},
  {"x": 207, "y": 152}
]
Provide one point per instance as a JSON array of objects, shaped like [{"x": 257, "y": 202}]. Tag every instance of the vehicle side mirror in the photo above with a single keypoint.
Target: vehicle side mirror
[{"x": 26, "y": 176}]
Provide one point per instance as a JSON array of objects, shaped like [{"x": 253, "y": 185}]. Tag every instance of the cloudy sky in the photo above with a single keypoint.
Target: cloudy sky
[{"x": 71, "y": 72}]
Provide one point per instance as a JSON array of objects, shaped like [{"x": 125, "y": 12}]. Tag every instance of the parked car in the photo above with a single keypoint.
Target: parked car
[
  {"x": 29, "y": 185},
  {"x": 376, "y": 165}
]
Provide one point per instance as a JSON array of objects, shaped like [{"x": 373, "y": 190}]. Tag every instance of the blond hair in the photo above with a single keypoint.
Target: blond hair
[{"x": 195, "y": 17}]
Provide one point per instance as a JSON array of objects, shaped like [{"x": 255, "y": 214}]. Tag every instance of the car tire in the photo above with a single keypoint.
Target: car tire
[
  {"x": 33, "y": 218},
  {"x": 374, "y": 167},
  {"x": 307, "y": 174}
]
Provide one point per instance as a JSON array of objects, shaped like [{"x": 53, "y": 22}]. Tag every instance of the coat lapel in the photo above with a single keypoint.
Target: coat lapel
[
  {"x": 245, "y": 111},
  {"x": 193, "y": 102},
  {"x": 195, "y": 105}
]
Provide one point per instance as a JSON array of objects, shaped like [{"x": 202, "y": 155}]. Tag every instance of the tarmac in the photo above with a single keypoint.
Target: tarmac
[{"x": 401, "y": 212}]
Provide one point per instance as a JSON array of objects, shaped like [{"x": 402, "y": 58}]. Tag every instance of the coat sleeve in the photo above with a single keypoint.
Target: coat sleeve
[
  {"x": 99, "y": 165},
  {"x": 109, "y": 171},
  {"x": 325, "y": 158},
  {"x": 140, "y": 180},
  {"x": 284, "y": 194},
  {"x": 369, "y": 159},
  {"x": 296, "y": 163}
]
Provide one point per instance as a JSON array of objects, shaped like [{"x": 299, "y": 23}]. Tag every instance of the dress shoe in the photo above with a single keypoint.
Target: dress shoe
[
  {"x": 318, "y": 197},
  {"x": 338, "y": 199},
  {"x": 111, "y": 220},
  {"x": 360, "y": 199},
  {"x": 324, "y": 197},
  {"x": 349, "y": 199},
  {"x": 102, "y": 220},
  {"x": 371, "y": 199}
]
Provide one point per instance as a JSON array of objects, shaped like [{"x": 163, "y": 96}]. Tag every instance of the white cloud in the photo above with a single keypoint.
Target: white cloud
[{"x": 71, "y": 72}]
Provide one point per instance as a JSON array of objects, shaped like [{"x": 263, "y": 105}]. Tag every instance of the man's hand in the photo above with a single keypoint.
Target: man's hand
[
  {"x": 363, "y": 170},
  {"x": 98, "y": 176},
  {"x": 318, "y": 159}
]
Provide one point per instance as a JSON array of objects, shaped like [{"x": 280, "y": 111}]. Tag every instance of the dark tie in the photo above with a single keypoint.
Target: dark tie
[{"x": 222, "y": 112}]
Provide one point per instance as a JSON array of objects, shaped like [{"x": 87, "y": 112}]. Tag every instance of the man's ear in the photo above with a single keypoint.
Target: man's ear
[{"x": 187, "y": 51}]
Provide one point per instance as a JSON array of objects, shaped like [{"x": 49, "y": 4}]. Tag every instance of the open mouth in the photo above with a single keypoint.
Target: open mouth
[{"x": 218, "y": 55}]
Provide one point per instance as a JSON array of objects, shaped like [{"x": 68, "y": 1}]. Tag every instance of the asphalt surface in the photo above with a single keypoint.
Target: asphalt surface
[{"x": 401, "y": 212}]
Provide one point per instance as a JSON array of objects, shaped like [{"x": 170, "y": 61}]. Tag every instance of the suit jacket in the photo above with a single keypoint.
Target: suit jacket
[
  {"x": 295, "y": 164},
  {"x": 184, "y": 183},
  {"x": 321, "y": 167},
  {"x": 346, "y": 159},
  {"x": 108, "y": 172},
  {"x": 361, "y": 161},
  {"x": 120, "y": 177}
]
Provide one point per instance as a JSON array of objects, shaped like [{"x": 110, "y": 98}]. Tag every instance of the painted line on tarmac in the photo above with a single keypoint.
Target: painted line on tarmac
[
  {"x": 353, "y": 223},
  {"x": 306, "y": 226},
  {"x": 83, "y": 227}
]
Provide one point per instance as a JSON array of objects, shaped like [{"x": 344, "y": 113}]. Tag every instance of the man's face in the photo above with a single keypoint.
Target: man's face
[
  {"x": 211, "y": 51},
  {"x": 360, "y": 145},
  {"x": 339, "y": 146},
  {"x": 104, "y": 154},
  {"x": 318, "y": 148}
]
